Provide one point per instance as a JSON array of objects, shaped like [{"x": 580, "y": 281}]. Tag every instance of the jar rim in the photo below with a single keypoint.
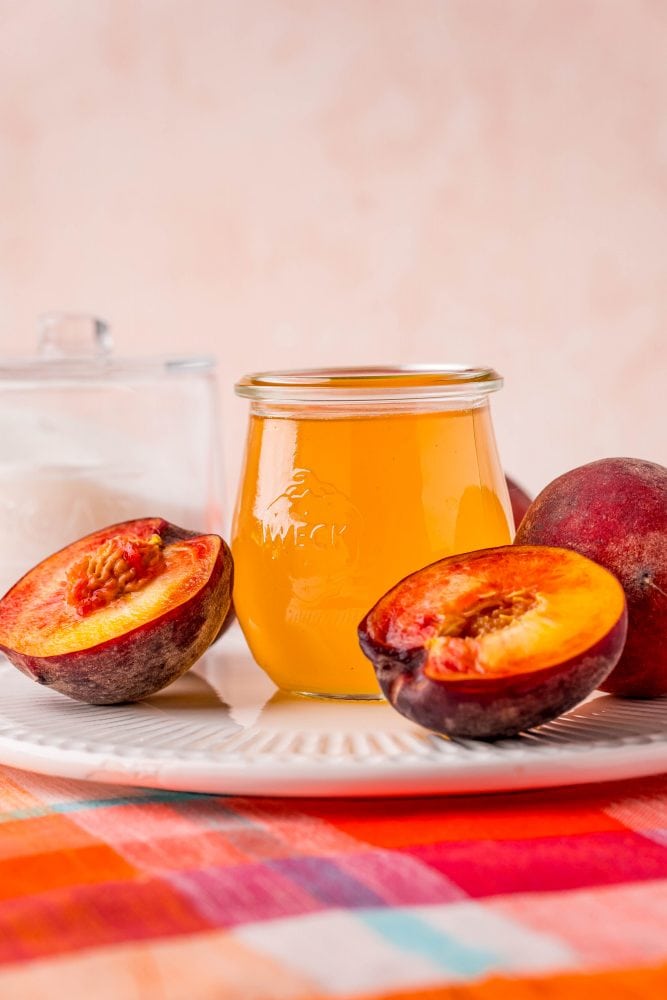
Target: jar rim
[
  {"x": 37, "y": 370},
  {"x": 378, "y": 382},
  {"x": 78, "y": 347}
]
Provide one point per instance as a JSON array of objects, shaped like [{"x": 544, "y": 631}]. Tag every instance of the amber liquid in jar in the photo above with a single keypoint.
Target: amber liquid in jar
[{"x": 336, "y": 509}]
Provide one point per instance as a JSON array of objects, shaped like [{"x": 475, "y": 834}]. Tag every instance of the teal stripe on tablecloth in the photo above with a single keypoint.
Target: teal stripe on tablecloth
[
  {"x": 410, "y": 933},
  {"x": 158, "y": 795}
]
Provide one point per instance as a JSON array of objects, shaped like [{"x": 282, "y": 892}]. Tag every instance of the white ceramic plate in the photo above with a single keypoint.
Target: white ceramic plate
[{"x": 225, "y": 729}]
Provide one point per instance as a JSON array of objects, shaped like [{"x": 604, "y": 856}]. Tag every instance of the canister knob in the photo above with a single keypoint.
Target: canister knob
[{"x": 73, "y": 335}]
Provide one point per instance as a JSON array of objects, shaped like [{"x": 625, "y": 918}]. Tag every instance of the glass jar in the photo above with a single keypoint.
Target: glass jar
[
  {"x": 88, "y": 439},
  {"x": 354, "y": 478}
]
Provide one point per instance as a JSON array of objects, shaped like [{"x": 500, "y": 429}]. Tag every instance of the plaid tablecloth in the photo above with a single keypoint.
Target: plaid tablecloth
[{"x": 122, "y": 893}]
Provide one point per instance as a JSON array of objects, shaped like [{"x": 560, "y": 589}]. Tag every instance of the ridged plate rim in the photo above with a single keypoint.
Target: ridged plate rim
[{"x": 224, "y": 730}]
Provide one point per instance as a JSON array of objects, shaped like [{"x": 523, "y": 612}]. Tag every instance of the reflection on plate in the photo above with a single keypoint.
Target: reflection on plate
[{"x": 224, "y": 728}]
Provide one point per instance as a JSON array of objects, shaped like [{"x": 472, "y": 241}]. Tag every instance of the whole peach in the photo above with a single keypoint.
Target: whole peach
[
  {"x": 615, "y": 512},
  {"x": 519, "y": 500}
]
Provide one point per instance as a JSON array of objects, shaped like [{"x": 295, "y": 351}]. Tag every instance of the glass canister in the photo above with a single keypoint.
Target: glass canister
[
  {"x": 352, "y": 479},
  {"x": 88, "y": 439}
]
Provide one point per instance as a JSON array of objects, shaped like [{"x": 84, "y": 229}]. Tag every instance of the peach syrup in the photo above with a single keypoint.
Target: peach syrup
[{"x": 340, "y": 499}]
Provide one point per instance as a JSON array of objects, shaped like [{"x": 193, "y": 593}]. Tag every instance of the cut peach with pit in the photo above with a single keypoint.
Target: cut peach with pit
[
  {"x": 119, "y": 614},
  {"x": 493, "y": 642}
]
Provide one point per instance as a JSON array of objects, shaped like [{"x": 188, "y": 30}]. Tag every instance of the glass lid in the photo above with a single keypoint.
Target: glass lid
[
  {"x": 80, "y": 347},
  {"x": 392, "y": 382}
]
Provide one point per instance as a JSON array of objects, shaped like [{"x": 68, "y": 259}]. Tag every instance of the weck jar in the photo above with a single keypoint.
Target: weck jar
[{"x": 352, "y": 479}]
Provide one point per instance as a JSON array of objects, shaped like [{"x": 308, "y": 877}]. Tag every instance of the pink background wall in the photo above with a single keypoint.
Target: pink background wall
[{"x": 305, "y": 183}]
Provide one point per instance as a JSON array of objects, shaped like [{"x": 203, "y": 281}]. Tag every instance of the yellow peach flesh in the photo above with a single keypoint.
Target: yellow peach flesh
[
  {"x": 37, "y": 620},
  {"x": 574, "y": 601}
]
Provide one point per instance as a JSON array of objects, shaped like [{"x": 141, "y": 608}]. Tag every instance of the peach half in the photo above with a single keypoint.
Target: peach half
[
  {"x": 490, "y": 643},
  {"x": 119, "y": 614}
]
